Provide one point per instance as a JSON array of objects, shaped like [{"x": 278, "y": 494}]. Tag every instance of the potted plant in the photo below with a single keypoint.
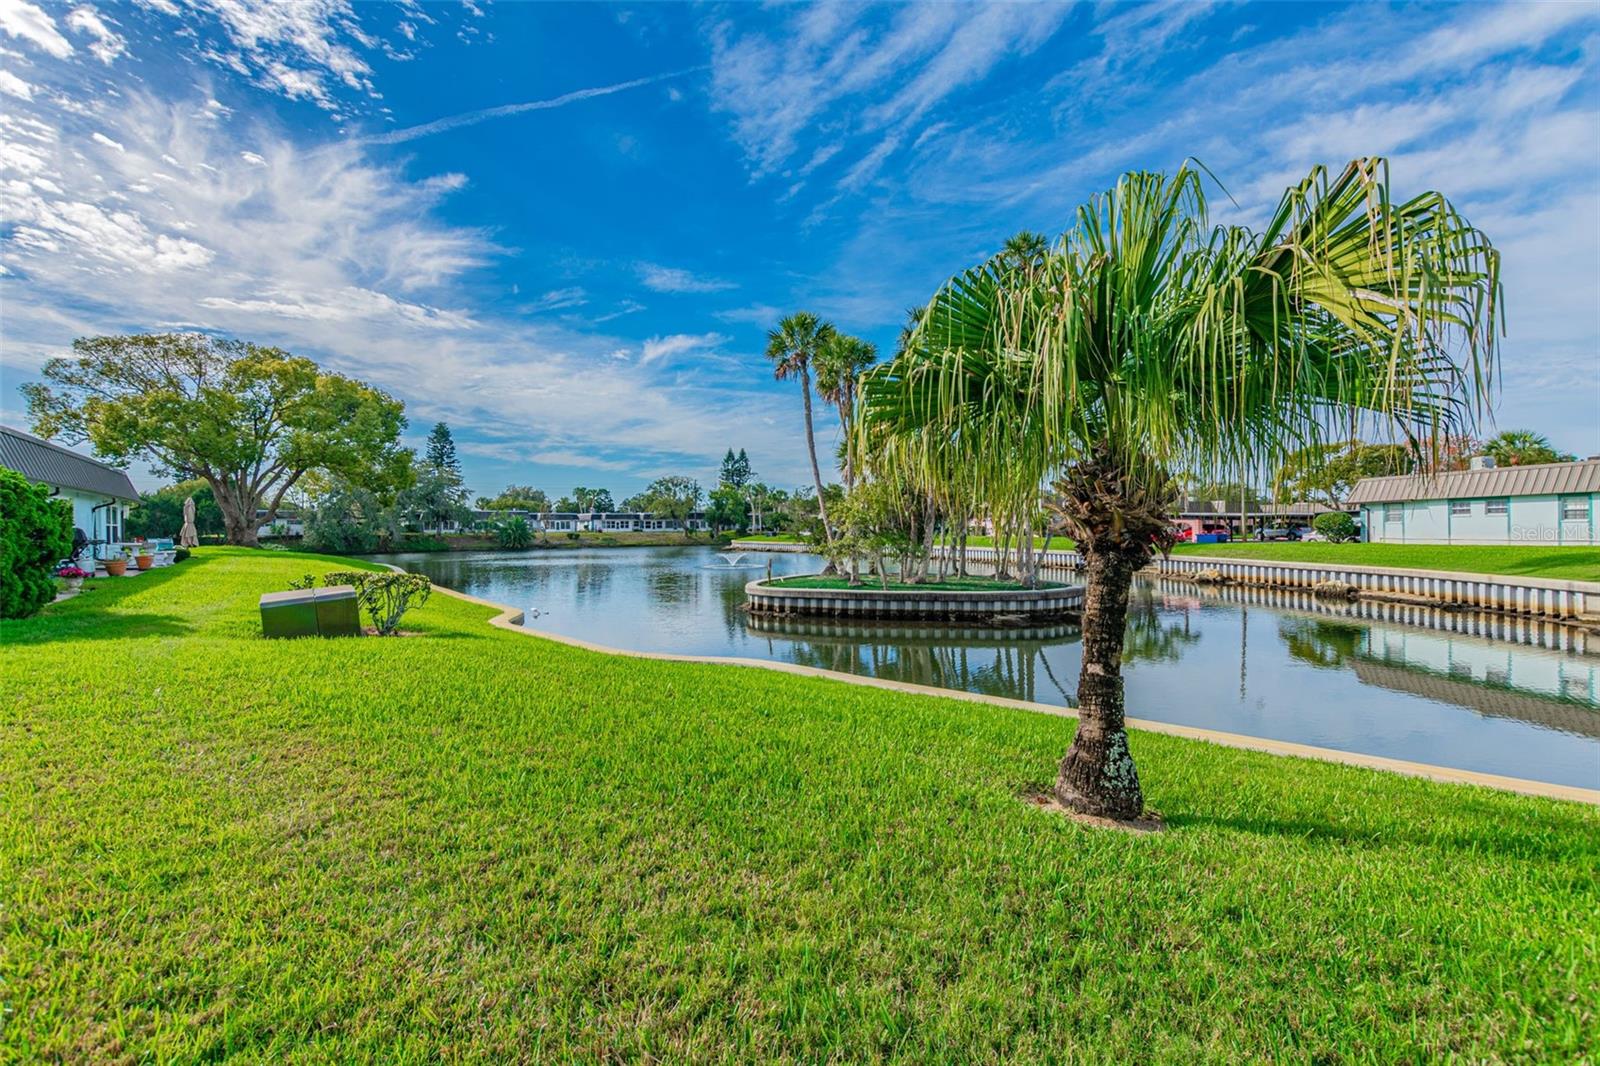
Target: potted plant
[
  {"x": 72, "y": 576},
  {"x": 144, "y": 560},
  {"x": 116, "y": 566}
]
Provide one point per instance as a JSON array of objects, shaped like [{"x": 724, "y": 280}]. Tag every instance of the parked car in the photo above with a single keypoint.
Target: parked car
[{"x": 1278, "y": 533}]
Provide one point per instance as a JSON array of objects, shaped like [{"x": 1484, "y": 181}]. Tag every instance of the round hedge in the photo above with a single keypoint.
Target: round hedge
[
  {"x": 35, "y": 535},
  {"x": 1335, "y": 525}
]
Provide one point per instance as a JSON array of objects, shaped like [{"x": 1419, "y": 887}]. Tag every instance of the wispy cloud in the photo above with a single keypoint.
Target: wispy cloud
[
  {"x": 472, "y": 118},
  {"x": 28, "y": 22},
  {"x": 673, "y": 279},
  {"x": 659, "y": 348}
]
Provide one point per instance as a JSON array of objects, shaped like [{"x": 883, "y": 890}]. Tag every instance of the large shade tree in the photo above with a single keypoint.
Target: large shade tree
[
  {"x": 250, "y": 421},
  {"x": 1148, "y": 341},
  {"x": 793, "y": 347}
]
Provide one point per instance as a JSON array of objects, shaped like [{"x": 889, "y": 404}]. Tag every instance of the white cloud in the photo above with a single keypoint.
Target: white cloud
[
  {"x": 670, "y": 347},
  {"x": 27, "y": 22},
  {"x": 101, "y": 138},
  {"x": 673, "y": 279},
  {"x": 12, "y": 85},
  {"x": 107, "y": 44}
]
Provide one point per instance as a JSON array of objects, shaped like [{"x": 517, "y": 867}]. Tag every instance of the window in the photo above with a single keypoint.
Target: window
[
  {"x": 1460, "y": 508},
  {"x": 1574, "y": 509},
  {"x": 1392, "y": 512},
  {"x": 1500, "y": 506}
]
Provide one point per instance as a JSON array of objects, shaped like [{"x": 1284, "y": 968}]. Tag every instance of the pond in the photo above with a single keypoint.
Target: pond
[{"x": 1464, "y": 690}]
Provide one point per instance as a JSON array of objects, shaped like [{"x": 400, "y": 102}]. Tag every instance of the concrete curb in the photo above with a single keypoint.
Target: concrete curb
[{"x": 510, "y": 619}]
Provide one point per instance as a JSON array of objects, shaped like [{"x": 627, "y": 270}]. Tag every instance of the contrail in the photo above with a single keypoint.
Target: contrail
[{"x": 472, "y": 118}]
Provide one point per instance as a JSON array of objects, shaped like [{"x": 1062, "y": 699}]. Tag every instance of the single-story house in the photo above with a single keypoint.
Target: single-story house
[
  {"x": 284, "y": 524},
  {"x": 1545, "y": 503},
  {"x": 100, "y": 494},
  {"x": 1200, "y": 515}
]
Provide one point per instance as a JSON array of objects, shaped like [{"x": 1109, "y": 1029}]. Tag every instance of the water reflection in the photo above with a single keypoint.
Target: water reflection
[{"x": 1503, "y": 695}]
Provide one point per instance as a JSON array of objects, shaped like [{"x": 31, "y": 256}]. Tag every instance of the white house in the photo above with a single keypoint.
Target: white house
[
  {"x": 100, "y": 494},
  {"x": 1547, "y": 503}
]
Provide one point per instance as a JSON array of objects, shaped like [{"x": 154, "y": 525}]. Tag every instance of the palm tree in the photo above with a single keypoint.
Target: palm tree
[
  {"x": 1025, "y": 251},
  {"x": 839, "y": 366},
  {"x": 793, "y": 346},
  {"x": 1522, "y": 447},
  {"x": 1147, "y": 341}
]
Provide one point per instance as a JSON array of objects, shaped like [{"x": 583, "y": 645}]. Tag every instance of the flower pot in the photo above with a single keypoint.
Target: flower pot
[
  {"x": 115, "y": 567},
  {"x": 73, "y": 583},
  {"x": 145, "y": 560}
]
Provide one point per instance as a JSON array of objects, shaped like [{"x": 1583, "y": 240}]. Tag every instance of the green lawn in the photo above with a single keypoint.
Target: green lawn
[
  {"x": 1520, "y": 560},
  {"x": 772, "y": 538},
  {"x": 472, "y": 845},
  {"x": 950, "y": 584}
]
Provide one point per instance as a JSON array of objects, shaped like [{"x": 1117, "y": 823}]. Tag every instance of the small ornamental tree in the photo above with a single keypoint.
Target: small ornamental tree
[
  {"x": 385, "y": 596},
  {"x": 1335, "y": 525},
  {"x": 248, "y": 420},
  {"x": 35, "y": 535}
]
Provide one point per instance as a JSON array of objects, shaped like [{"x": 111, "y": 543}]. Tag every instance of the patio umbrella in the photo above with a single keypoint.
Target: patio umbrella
[{"x": 188, "y": 537}]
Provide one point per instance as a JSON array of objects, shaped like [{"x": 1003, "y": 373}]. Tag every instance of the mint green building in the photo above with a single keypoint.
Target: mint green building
[{"x": 1549, "y": 503}]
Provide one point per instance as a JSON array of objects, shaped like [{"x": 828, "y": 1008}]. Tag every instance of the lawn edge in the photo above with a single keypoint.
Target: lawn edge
[{"x": 510, "y": 620}]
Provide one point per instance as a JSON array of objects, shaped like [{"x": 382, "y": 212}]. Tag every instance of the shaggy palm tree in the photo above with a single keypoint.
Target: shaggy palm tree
[
  {"x": 839, "y": 366},
  {"x": 1147, "y": 341},
  {"x": 793, "y": 347},
  {"x": 1522, "y": 447}
]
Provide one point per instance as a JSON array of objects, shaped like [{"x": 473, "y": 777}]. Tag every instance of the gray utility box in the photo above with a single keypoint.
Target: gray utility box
[{"x": 329, "y": 612}]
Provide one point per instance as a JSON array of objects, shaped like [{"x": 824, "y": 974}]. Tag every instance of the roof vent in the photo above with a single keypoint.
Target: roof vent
[{"x": 1482, "y": 462}]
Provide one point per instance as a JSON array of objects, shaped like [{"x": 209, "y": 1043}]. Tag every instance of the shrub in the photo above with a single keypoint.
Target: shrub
[
  {"x": 180, "y": 554},
  {"x": 386, "y": 596},
  {"x": 35, "y": 535},
  {"x": 1335, "y": 525},
  {"x": 515, "y": 533}
]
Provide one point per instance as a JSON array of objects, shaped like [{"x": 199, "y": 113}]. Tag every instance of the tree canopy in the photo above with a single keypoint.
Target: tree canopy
[
  {"x": 248, "y": 420},
  {"x": 674, "y": 497},
  {"x": 1523, "y": 447},
  {"x": 1148, "y": 340}
]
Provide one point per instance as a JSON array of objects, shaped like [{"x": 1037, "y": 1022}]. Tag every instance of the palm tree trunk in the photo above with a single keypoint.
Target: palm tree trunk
[
  {"x": 811, "y": 447},
  {"x": 1098, "y": 776}
]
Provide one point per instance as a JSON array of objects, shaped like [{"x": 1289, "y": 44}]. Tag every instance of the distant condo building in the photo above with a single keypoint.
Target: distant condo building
[{"x": 1546, "y": 503}]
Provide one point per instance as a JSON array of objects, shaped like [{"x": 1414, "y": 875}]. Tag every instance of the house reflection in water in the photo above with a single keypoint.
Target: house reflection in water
[{"x": 1544, "y": 688}]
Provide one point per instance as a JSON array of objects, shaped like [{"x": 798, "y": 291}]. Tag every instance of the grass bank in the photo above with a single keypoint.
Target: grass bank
[
  {"x": 1517, "y": 560},
  {"x": 475, "y": 845},
  {"x": 950, "y": 584}
]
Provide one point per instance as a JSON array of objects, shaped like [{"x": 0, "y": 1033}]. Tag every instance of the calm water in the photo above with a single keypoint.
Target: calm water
[{"x": 1473, "y": 692}]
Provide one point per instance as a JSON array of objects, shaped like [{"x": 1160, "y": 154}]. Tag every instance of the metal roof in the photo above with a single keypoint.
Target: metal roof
[
  {"x": 40, "y": 460},
  {"x": 1541, "y": 479}
]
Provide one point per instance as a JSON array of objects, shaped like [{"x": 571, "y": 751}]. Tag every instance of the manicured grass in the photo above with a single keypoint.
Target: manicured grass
[
  {"x": 773, "y": 538},
  {"x": 983, "y": 540},
  {"x": 473, "y": 845},
  {"x": 1569, "y": 563},
  {"x": 952, "y": 584}
]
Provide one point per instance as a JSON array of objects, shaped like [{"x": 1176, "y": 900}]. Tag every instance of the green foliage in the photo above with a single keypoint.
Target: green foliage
[
  {"x": 160, "y": 513},
  {"x": 434, "y": 499},
  {"x": 727, "y": 508},
  {"x": 674, "y": 496},
  {"x": 251, "y": 421},
  {"x": 735, "y": 471},
  {"x": 1325, "y": 473},
  {"x": 584, "y": 500},
  {"x": 1523, "y": 447},
  {"x": 35, "y": 535},
  {"x": 440, "y": 453},
  {"x": 347, "y": 519},
  {"x": 385, "y": 595},
  {"x": 800, "y": 870},
  {"x": 180, "y": 553},
  {"x": 1336, "y": 526},
  {"x": 515, "y": 533},
  {"x": 517, "y": 498}
]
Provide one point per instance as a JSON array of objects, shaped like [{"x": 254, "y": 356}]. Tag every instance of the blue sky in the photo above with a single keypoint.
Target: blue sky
[{"x": 564, "y": 229}]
